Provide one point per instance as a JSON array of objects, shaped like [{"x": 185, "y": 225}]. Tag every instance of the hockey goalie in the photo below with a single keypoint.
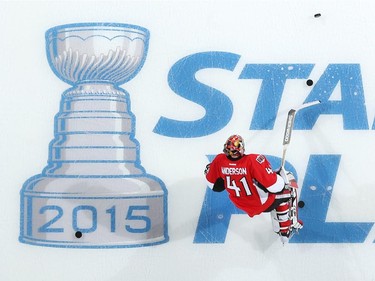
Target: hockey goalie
[{"x": 254, "y": 187}]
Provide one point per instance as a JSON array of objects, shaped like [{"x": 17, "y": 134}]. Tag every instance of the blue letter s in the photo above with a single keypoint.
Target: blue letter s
[{"x": 182, "y": 81}]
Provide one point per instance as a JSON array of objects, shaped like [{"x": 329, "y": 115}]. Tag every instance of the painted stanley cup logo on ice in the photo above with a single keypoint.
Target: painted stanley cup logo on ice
[{"x": 94, "y": 191}]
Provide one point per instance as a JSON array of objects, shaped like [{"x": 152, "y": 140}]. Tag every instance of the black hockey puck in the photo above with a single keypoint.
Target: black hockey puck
[
  {"x": 317, "y": 15},
  {"x": 78, "y": 234},
  {"x": 301, "y": 204},
  {"x": 309, "y": 82}
]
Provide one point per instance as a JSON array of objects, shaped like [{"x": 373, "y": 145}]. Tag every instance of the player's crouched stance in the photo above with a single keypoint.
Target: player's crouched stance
[{"x": 254, "y": 187}]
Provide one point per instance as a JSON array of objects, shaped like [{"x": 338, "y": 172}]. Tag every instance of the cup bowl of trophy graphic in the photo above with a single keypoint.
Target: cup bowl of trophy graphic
[{"x": 96, "y": 52}]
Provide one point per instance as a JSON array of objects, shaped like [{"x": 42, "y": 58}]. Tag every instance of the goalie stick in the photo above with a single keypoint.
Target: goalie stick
[
  {"x": 295, "y": 224},
  {"x": 289, "y": 127}
]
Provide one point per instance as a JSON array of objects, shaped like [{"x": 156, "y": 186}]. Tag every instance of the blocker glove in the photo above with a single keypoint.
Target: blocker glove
[{"x": 288, "y": 177}]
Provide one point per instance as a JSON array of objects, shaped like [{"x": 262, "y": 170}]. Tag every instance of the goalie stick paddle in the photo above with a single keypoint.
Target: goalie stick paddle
[{"x": 289, "y": 127}]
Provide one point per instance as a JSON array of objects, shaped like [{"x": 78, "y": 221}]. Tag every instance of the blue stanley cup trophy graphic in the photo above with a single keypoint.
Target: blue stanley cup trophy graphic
[{"x": 94, "y": 193}]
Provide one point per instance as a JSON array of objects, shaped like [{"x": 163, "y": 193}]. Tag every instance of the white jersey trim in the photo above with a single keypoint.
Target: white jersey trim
[
  {"x": 277, "y": 186},
  {"x": 210, "y": 185}
]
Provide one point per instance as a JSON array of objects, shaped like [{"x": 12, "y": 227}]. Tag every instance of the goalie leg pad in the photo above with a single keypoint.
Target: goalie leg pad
[
  {"x": 282, "y": 212},
  {"x": 285, "y": 216},
  {"x": 291, "y": 193},
  {"x": 280, "y": 219},
  {"x": 296, "y": 224}
]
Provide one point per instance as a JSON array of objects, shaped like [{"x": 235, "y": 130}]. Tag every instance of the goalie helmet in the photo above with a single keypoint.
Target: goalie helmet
[{"x": 234, "y": 147}]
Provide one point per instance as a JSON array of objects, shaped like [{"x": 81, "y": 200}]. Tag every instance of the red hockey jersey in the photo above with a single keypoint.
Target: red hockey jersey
[{"x": 247, "y": 181}]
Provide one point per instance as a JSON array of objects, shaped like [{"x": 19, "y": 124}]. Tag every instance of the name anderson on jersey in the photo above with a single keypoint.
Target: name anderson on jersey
[{"x": 233, "y": 171}]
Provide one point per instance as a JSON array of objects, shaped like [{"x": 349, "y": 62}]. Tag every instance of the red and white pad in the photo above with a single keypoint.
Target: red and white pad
[{"x": 285, "y": 217}]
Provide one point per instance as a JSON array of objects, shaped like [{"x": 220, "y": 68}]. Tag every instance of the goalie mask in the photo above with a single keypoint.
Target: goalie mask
[{"x": 234, "y": 147}]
